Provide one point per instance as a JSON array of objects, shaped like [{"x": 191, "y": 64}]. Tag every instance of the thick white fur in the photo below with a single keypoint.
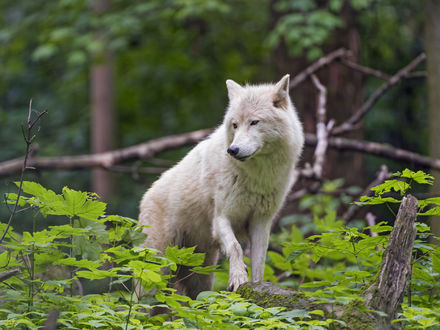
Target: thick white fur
[{"x": 212, "y": 200}]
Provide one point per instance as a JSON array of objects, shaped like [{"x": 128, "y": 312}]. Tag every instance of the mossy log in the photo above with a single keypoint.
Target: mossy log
[{"x": 384, "y": 295}]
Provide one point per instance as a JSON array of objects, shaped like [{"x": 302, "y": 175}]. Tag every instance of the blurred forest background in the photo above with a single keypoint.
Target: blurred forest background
[{"x": 114, "y": 73}]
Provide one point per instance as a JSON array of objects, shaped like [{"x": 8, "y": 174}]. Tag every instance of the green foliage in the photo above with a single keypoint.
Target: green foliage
[
  {"x": 55, "y": 263},
  {"x": 306, "y": 25},
  {"x": 327, "y": 261},
  {"x": 332, "y": 262}
]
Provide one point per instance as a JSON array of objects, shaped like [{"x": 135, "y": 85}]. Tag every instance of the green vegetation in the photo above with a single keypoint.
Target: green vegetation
[{"x": 46, "y": 269}]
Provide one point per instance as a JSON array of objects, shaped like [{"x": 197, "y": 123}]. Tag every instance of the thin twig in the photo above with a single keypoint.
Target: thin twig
[
  {"x": 364, "y": 69},
  {"x": 349, "y": 124},
  {"x": 381, "y": 176},
  {"x": 28, "y": 139}
]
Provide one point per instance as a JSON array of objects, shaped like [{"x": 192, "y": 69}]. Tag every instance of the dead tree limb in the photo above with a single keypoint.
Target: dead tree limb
[
  {"x": 350, "y": 124},
  {"x": 150, "y": 148},
  {"x": 385, "y": 294},
  {"x": 110, "y": 158},
  {"x": 364, "y": 69},
  {"x": 322, "y": 130},
  {"x": 320, "y": 63},
  {"x": 377, "y": 149}
]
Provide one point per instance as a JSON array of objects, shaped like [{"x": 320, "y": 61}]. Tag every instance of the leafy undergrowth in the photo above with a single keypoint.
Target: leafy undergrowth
[{"x": 47, "y": 270}]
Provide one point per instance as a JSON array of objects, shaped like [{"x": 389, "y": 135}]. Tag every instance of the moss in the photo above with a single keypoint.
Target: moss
[
  {"x": 356, "y": 318},
  {"x": 265, "y": 298}
]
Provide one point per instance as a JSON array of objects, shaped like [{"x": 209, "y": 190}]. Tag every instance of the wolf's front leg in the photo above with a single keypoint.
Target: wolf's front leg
[
  {"x": 223, "y": 232},
  {"x": 259, "y": 232}
]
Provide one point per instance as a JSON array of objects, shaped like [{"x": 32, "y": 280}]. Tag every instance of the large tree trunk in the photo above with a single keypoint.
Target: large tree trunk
[
  {"x": 432, "y": 46},
  {"x": 344, "y": 96},
  {"x": 102, "y": 126}
]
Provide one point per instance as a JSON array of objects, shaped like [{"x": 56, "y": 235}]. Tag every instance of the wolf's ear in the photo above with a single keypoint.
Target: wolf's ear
[
  {"x": 233, "y": 88},
  {"x": 281, "y": 92}
]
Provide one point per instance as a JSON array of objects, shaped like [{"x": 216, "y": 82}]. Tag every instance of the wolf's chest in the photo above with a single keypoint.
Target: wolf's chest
[{"x": 247, "y": 199}]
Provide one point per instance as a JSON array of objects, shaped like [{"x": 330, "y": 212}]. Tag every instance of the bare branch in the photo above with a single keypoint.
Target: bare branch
[
  {"x": 349, "y": 124},
  {"x": 151, "y": 148},
  {"x": 109, "y": 158},
  {"x": 378, "y": 149},
  {"x": 28, "y": 139},
  {"x": 364, "y": 69},
  {"x": 381, "y": 177},
  {"x": 322, "y": 130},
  {"x": 320, "y": 63}
]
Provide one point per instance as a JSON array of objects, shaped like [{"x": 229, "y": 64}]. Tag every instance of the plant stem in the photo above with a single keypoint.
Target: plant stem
[
  {"x": 357, "y": 260},
  {"x": 28, "y": 139},
  {"x": 70, "y": 255},
  {"x": 131, "y": 302}
]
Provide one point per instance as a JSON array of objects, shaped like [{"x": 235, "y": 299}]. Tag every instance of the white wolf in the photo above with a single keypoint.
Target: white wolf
[{"x": 230, "y": 186}]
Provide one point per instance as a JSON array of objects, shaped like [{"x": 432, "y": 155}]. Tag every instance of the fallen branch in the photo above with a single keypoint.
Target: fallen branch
[
  {"x": 109, "y": 158},
  {"x": 378, "y": 149},
  {"x": 151, "y": 148}
]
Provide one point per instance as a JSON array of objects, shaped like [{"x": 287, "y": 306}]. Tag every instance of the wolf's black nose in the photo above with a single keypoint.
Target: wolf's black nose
[{"x": 233, "y": 150}]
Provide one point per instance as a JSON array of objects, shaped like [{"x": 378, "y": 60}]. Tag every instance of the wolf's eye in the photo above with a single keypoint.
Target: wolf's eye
[
  {"x": 254, "y": 122},
  {"x": 234, "y": 125}
]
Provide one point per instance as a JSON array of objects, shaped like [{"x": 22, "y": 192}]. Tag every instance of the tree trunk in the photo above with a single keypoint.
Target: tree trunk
[
  {"x": 432, "y": 46},
  {"x": 102, "y": 126},
  {"x": 344, "y": 94}
]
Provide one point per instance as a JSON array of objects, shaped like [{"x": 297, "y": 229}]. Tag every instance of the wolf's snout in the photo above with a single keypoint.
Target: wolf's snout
[{"x": 233, "y": 150}]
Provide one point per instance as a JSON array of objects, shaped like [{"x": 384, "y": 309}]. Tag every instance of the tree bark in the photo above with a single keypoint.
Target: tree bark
[
  {"x": 385, "y": 294},
  {"x": 102, "y": 107},
  {"x": 432, "y": 46}
]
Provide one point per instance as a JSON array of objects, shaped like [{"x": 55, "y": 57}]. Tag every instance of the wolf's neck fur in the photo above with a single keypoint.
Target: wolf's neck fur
[{"x": 268, "y": 170}]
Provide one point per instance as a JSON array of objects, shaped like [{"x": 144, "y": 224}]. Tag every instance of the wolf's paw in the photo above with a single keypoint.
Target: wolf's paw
[{"x": 236, "y": 279}]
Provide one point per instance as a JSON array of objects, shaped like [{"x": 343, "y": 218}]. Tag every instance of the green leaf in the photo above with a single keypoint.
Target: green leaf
[
  {"x": 96, "y": 274},
  {"x": 389, "y": 185},
  {"x": 65, "y": 231},
  {"x": 205, "y": 269},
  {"x": 419, "y": 176},
  {"x": 84, "y": 263},
  {"x": 81, "y": 204},
  {"x": 433, "y": 211},
  {"x": 44, "y": 52},
  {"x": 365, "y": 200},
  {"x": 294, "y": 254},
  {"x": 380, "y": 227},
  {"x": 184, "y": 256},
  {"x": 422, "y": 227},
  {"x": 315, "y": 284}
]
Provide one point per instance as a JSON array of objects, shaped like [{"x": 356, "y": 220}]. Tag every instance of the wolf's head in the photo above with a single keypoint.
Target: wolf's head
[{"x": 257, "y": 117}]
